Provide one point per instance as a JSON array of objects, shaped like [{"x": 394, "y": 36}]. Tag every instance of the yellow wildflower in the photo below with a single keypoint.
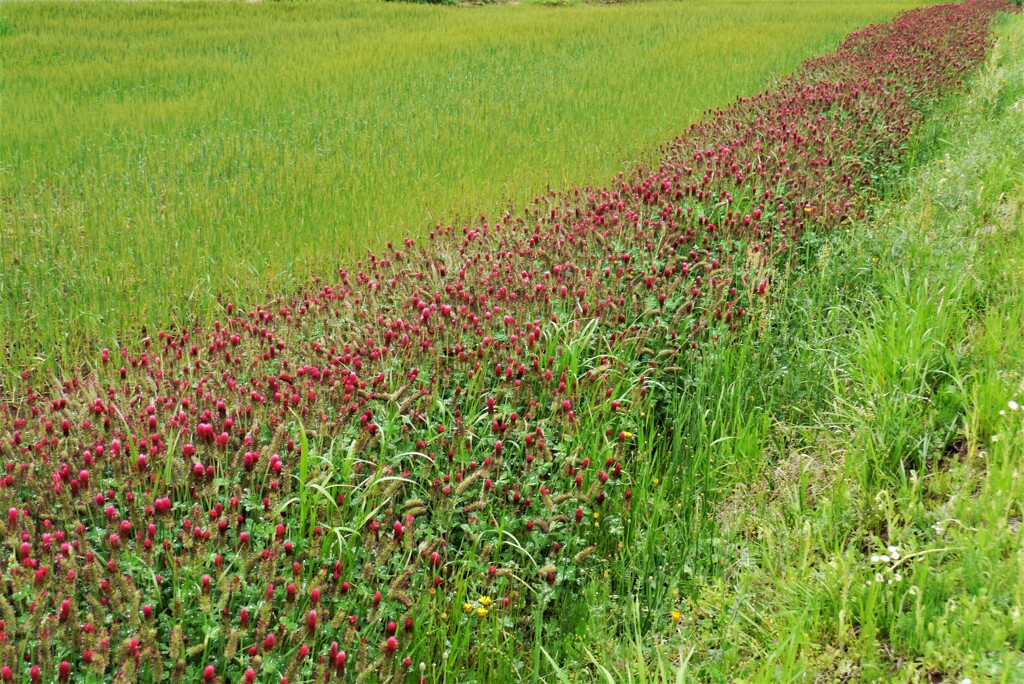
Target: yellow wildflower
[
  {"x": 676, "y": 616},
  {"x": 468, "y": 607},
  {"x": 484, "y": 601},
  {"x": 482, "y": 612}
]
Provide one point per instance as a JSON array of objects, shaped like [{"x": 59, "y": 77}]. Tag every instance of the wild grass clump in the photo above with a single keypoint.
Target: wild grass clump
[{"x": 425, "y": 460}]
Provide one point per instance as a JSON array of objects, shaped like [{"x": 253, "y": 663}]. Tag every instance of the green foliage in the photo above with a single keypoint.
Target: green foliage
[
  {"x": 865, "y": 528},
  {"x": 835, "y": 498}
]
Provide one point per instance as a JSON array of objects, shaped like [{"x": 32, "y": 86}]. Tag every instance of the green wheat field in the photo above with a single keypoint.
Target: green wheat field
[{"x": 160, "y": 159}]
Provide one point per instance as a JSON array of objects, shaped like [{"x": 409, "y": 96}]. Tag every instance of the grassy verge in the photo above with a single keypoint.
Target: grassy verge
[{"x": 864, "y": 462}]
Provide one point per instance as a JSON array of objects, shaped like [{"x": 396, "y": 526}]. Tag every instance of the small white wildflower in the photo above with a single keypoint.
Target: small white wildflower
[
  {"x": 1013, "y": 405},
  {"x": 912, "y": 591},
  {"x": 884, "y": 558},
  {"x": 965, "y": 680},
  {"x": 894, "y": 552},
  {"x": 995, "y": 438},
  {"x": 1002, "y": 412},
  {"x": 898, "y": 577},
  {"x": 875, "y": 559},
  {"x": 879, "y": 578}
]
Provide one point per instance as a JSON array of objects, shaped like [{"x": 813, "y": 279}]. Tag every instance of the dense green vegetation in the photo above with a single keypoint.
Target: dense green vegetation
[
  {"x": 863, "y": 455},
  {"x": 830, "y": 491},
  {"x": 158, "y": 159}
]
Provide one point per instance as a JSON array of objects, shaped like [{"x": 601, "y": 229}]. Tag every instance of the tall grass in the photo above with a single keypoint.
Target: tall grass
[
  {"x": 885, "y": 416},
  {"x": 158, "y": 159}
]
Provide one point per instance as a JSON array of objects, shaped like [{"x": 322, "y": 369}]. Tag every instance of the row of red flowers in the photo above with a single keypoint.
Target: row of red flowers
[{"x": 327, "y": 485}]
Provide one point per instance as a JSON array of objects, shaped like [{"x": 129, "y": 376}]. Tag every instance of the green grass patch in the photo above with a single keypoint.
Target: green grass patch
[{"x": 856, "y": 489}]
